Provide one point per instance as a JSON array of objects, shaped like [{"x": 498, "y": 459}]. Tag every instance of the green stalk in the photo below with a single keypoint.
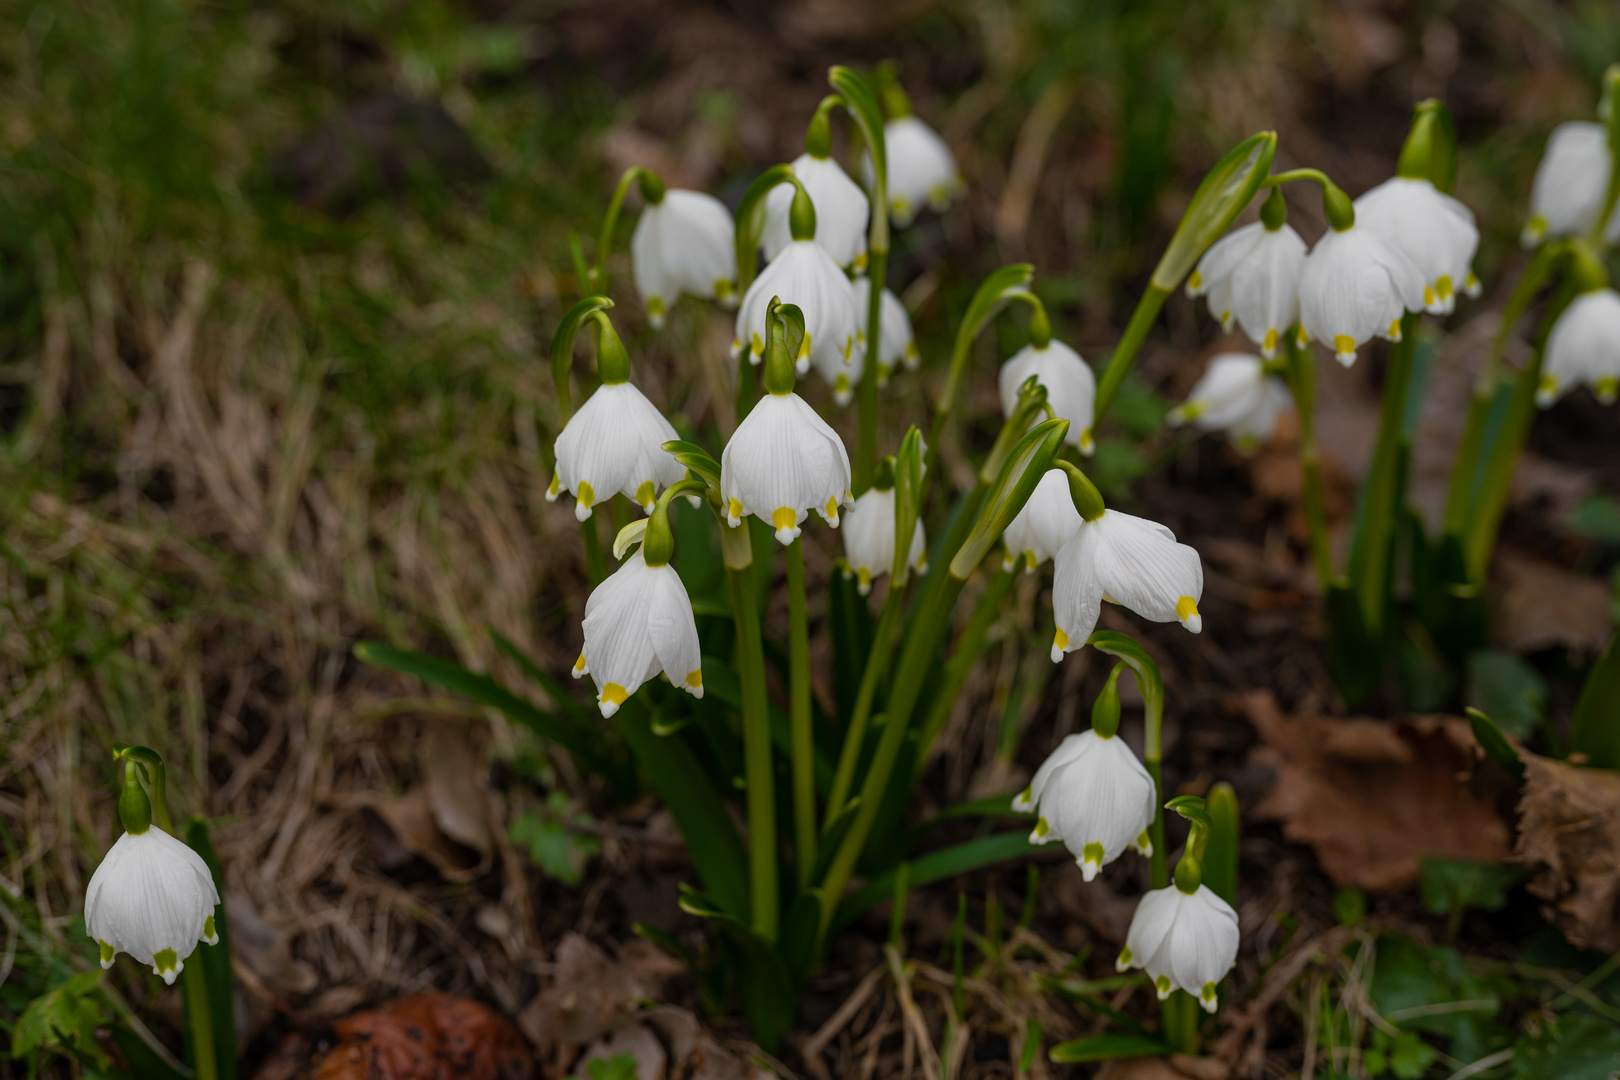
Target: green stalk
[
  {"x": 1147, "y": 309},
  {"x": 756, "y": 751},
  {"x": 595, "y": 559},
  {"x": 597, "y": 280},
  {"x": 1302, "y": 373},
  {"x": 746, "y": 390},
  {"x": 877, "y": 665},
  {"x": 804, "y": 781},
  {"x": 199, "y": 1020},
  {"x": 877, "y": 272},
  {"x": 1373, "y": 549},
  {"x": 969, "y": 647}
]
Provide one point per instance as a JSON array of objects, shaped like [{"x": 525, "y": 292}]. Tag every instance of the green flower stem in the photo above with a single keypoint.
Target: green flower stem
[
  {"x": 756, "y": 752},
  {"x": 1372, "y": 551},
  {"x": 804, "y": 780},
  {"x": 1179, "y": 1016},
  {"x": 1466, "y": 470},
  {"x": 877, "y": 666},
  {"x": 866, "y": 395},
  {"x": 199, "y": 1019},
  {"x": 1147, "y": 309},
  {"x": 969, "y": 647},
  {"x": 747, "y": 390},
  {"x": 595, "y": 558},
  {"x": 597, "y": 280},
  {"x": 916, "y": 660},
  {"x": 1301, "y": 368}
]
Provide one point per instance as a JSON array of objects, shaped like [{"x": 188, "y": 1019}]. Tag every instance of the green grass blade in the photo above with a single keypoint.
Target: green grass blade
[
  {"x": 936, "y": 866},
  {"x": 216, "y": 960}
]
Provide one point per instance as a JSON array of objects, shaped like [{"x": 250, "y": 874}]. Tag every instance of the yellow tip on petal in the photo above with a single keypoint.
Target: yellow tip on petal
[
  {"x": 1187, "y": 612},
  {"x": 1195, "y": 283},
  {"x": 1123, "y": 962},
  {"x": 1030, "y": 563},
  {"x": 831, "y": 512},
  {"x": 1344, "y": 348},
  {"x": 1060, "y": 644},
  {"x": 786, "y": 521},
  {"x": 1302, "y": 338},
  {"x": 1444, "y": 288},
  {"x": 723, "y": 289},
  {"x": 863, "y": 581},
  {"x": 1606, "y": 389},
  {"x": 644, "y": 495},
  {"x": 107, "y": 954},
  {"x": 556, "y": 486},
  {"x": 804, "y": 346},
  {"x": 613, "y": 695},
  {"x": 757, "y": 346},
  {"x": 1162, "y": 986},
  {"x": 1269, "y": 345},
  {"x": 734, "y": 512},
  {"x": 842, "y": 393},
  {"x": 694, "y": 683},
  {"x": 1394, "y": 331},
  {"x": 1087, "y": 445},
  {"x": 1546, "y": 391}
]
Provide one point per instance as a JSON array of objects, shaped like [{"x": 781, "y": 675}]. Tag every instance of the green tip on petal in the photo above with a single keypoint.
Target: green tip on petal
[
  {"x": 209, "y": 933},
  {"x": 107, "y": 954},
  {"x": 165, "y": 962}
]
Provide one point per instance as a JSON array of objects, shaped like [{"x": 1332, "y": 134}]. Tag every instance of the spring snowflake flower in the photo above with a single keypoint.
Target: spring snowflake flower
[
  {"x": 782, "y": 462},
  {"x": 805, "y": 275},
  {"x": 1235, "y": 395},
  {"x": 684, "y": 243},
  {"x": 1355, "y": 286},
  {"x": 1071, "y": 388},
  {"x": 869, "y": 539},
  {"x": 1047, "y": 522},
  {"x": 1434, "y": 230},
  {"x": 639, "y": 622},
  {"x": 1584, "y": 347},
  {"x": 899, "y": 345},
  {"x": 1251, "y": 276},
  {"x": 615, "y": 442},
  {"x": 1093, "y": 795},
  {"x": 921, "y": 169},
  {"x": 1128, "y": 561},
  {"x": 153, "y": 898},
  {"x": 842, "y": 211},
  {"x": 1184, "y": 941},
  {"x": 1571, "y": 182}
]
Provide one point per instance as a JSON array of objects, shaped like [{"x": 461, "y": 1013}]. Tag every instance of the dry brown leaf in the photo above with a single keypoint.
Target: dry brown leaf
[
  {"x": 455, "y": 777},
  {"x": 427, "y": 1037},
  {"x": 1374, "y": 798},
  {"x": 590, "y": 995},
  {"x": 1540, "y": 605},
  {"x": 1569, "y": 827},
  {"x": 412, "y": 819}
]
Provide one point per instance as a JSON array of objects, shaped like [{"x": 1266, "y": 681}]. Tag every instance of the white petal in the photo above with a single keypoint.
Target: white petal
[
  {"x": 1236, "y": 396},
  {"x": 1047, "y": 521},
  {"x": 1434, "y": 230},
  {"x": 684, "y": 244},
  {"x": 1103, "y": 796},
  {"x": 1584, "y": 347},
  {"x": 1071, "y": 388},
  {"x": 1070, "y": 748},
  {"x": 841, "y": 206},
  {"x": 1571, "y": 181},
  {"x": 615, "y": 444},
  {"x": 1264, "y": 288},
  {"x": 804, "y": 275},
  {"x": 619, "y": 650},
  {"x": 1077, "y": 593},
  {"x": 899, "y": 346},
  {"x": 921, "y": 169},
  {"x": 150, "y": 893},
  {"x": 1355, "y": 286},
  {"x": 784, "y": 456},
  {"x": 1140, "y": 566},
  {"x": 673, "y": 630},
  {"x": 1150, "y": 926}
]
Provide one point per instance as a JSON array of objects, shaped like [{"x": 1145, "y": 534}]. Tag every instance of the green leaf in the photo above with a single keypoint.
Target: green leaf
[
  {"x": 1454, "y": 885},
  {"x": 216, "y": 960},
  {"x": 936, "y": 866},
  {"x": 768, "y": 994},
  {"x": 62, "y": 1021},
  {"x": 1495, "y": 744},
  {"x": 617, "y": 1067},
  {"x": 143, "y": 1061},
  {"x": 1511, "y": 691},
  {"x": 1023, "y": 470},
  {"x": 694, "y": 457},
  {"x": 1595, "y": 728},
  {"x": 1221, "y": 852},
  {"x": 562, "y": 345},
  {"x": 556, "y": 849},
  {"x": 1108, "y": 1046},
  {"x": 1597, "y": 517},
  {"x": 1429, "y": 989},
  {"x": 1575, "y": 1046},
  {"x": 1220, "y": 198},
  {"x": 1409, "y": 1056}
]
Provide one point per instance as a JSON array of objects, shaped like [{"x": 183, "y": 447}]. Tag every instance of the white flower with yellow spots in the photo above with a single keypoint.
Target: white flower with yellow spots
[
  {"x": 1128, "y": 561},
  {"x": 1237, "y": 396},
  {"x": 614, "y": 443},
  {"x": 899, "y": 345},
  {"x": 1436, "y": 231},
  {"x": 1584, "y": 347},
  {"x": 782, "y": 462},
  {"x": 1184, "y": 941},
  {"x": 1071, "y": 388},
  {"x": 1570, "y": 185},
  {"x": 869, "y": 539},
  {"x": 841, "y": 212},
  {"x": 1093, "y": 795},
  {"x": 921, "y": 168},
  {"x": 639, "y": 622},
  {"x": 1251, "y": 276},
  {"x": 684, "y": 243},
  {"x": 153, "y": 898},
  {"x": 1355, "y": 286},
  {"x": 805, "y": 275},
  {"x": 1047, "y": 522}
]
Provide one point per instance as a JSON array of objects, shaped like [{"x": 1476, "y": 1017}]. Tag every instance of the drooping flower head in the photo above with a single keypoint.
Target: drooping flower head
[
  {"x": 1236, "y": 395},
  {"x": 1570, "y": 185},
  {"x": 1251, "y": 276},
  {"x": 1071, "y": 388},
  {"x": 1584, "y": 347},
  {"x": 152, "y": 896},
  {"x": 899, "y": 346},
  {"x": 1092, "y": 793},
  {"x": 1355, "y": 285},
  {"x": 921, "y": 167},
  {"x": 783, "y": 461},
  {"x": 614, "y": 443},
  {"x": 841, "y": 211},
  {"x": 1434, "y": 230},
  {"x": 1047, "y": 522},
  {"x": 684, "y": 242},
  {"x": 869, "y": 538},
  {"x": 639, "y": 621},
  {"x": 1125, "y": 560}
]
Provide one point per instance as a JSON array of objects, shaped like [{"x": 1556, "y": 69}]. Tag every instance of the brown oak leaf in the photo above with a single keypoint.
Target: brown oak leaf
[{"x": 1569, "y": 828}]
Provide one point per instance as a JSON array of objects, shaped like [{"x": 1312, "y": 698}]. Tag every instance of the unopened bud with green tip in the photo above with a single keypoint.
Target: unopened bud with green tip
[
  {"x": 1105, "y": 710},
  {"x": 1087, "y": 499},
  {"x": 1220, "y": 198},
  {"x": 1031, "y": 404},
  {"x": 1274, "y": 211},
  {"x": 1430, "y": 150}
]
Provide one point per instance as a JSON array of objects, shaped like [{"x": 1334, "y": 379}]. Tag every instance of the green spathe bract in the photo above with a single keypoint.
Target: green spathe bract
[{"x": 1226, "y": 191}]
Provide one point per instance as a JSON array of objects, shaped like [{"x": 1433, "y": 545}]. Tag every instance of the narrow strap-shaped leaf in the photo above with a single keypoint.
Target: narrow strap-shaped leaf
[
  {"x": 1221, "y": 852},
  {"x": 1108, "y": 1046},
  {"x": 216, "y": 959},
  {"x": 767, "y": 991},
  {"x": 1595, "y": 729},
  {"x": 694, "y": 457},
  {"x": 1495, "y": 744},
  {"x": 936, "y": 866}
]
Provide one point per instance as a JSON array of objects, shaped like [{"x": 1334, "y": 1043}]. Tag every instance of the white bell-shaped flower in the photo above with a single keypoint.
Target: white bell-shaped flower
[
  {"x": 1093, "y": 795},
  {"x": 1436, "y": 231},
  {"x": 1235, "y": 395},
  {"x": 805, "y": 275},
  {"x": 1355, "y": 286},
  {"x": 1071, "y": 388},
  {"x": 1584, "y": 347},
  {"x": 615, "y": 442},
  {"x": 639, "y": 622},
  {"x": 1125, "y": 560},
  {"x": 1251, "y": 276},
  {"x": 153, "y": 898},
  {"x": 684, "y": 243},
  {"x": 869, "y": 539},
  {"x": 782, "y": 462},
  {"x": 1047, "y": 522},
  {"x": 1571, "y": 182},
  {"x": 921, "y": 167},
  {"x": 899, "y": 345},
  {"x": 842, "y": 211},
  {"x": 1184, "y": 941}
]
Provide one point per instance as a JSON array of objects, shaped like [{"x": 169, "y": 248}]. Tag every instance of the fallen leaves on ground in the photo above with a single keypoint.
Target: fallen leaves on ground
[
  {"x": 427, "y": 1037},
  {"x": 1569, "y": 827},
  {"x": 1542, "y": 605},
  {"x": 1374, "y": 797}
]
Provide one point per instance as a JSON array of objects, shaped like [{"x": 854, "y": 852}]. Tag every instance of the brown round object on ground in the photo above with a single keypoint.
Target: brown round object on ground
[{"x": 427, "y": 1037}]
